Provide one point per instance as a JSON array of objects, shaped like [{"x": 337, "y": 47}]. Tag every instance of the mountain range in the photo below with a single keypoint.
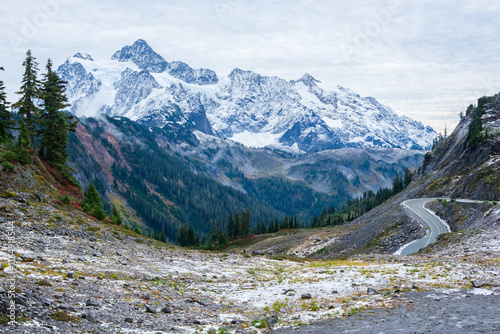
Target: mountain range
[
  {"x": 246, "y": 141},
  {"x": 297, "y": 116}
]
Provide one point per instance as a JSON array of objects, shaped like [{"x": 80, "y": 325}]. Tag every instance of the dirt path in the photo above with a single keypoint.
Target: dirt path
[{"x": 472, "y": 311}]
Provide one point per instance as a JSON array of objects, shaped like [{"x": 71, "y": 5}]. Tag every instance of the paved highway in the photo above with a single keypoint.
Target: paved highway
[{"x": 416, "y": 209}]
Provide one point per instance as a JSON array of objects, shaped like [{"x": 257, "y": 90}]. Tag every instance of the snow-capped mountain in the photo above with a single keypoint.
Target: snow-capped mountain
[{"x": 297, "y": 116}]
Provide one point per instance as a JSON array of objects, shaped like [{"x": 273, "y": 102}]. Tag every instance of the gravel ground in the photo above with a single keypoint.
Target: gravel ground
[{"x": 463, "y": 311}]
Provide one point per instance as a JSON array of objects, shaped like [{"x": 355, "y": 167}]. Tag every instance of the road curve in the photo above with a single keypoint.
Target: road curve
[{"x": 436, "y": 226}]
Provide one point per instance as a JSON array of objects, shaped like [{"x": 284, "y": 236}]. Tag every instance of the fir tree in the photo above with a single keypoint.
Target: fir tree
[
  {"x": 271, "y": 227},
  {"x": 230, "y": 226},
  {"x": 237, "y": 225},
  {"x": 54, "y": 125},
  {"x": 92, "y": 204},
  {"x": 245, "y": 223},
  {"x": 162, "y": 237},
  {"x": 30, "y": 91},
  {"x": 23, "y": 143},
  {"x": 407, "y": 177},
  {"x": 214, "y": 235},
  {"x": 6, "y": 122},
  {"x": 117, "y": 217}
]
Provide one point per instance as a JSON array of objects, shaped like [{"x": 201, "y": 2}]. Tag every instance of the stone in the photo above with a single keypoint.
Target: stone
[
  {"x": 67, "y": 307},
  {"x": 306, "y": 296},
  {"x": 372, "y": 291},
  {"x": 129, "y": 320},
  {"x": 167, "y": 310},
  {"x": 22, "y": 300},
  {"x": 334, "y": 291},
  {"x": 272, "y": 320},
  {"x": 70, "y": 274},
  {"x": 89, "y": 316},
  {"x": 93, "y": 302},
  {"x": 212, "y": 330},
  {"x": 151, "y": 309},
  {"x": 257, "y": 253},
  {"x": 46, "y": 301},
  {"x": 199, "y": 322},
  {"x": 237, "y": 321}
]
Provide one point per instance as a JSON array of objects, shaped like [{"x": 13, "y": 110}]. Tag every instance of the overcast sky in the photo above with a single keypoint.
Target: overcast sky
[{"x": 425, "y": 59}]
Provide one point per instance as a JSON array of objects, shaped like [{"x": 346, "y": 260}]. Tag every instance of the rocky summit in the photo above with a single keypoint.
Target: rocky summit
[{"x": 296, "y": 116}]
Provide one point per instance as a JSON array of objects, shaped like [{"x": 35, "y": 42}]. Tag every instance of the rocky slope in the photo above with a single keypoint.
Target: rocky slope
[{"x": 296, "y": 116}]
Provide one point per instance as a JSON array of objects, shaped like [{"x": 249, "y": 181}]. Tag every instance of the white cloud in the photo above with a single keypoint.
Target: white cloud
[{"x": 426, "y": 59}]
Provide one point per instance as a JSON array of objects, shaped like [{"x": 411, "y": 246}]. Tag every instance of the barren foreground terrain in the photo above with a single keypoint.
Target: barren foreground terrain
[{"x": 75, "y": 275}]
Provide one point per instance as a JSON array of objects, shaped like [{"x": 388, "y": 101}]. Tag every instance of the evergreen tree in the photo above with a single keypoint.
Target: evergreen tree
[
  {"x": 30, "y": 91},
  {"x": 54, "y": 125},
  {"x": 237, "y": 225},
  {"x": 214, "y": 235},
  {"x": 407, "y": 177},
  {"x": 271, "y": 227},
  {"x": 23, "y": 143},
  {"x": 230, "y": 226},
  {"x": 187, "y": 236},
  {"x": 162, "y": 237},
  {"x": 6, "y": 122},
  {"x": 117, "y": 217},
  {"x": 92, "y": 204},
  {"x": 245, "y": 223},
  {"x": 397, "y": 184},
  {"x": 223, "y": 238},
  {"x": 314, "y": 222}
]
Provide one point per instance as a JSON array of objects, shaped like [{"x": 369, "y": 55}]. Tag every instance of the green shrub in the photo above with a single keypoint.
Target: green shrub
[
  {"x": 66, "y": 199},
  {"x": 24, "y": 157},
  {"x": 453, "y": 200},
  {"x": 10, "y": 156},
  {"x": 7, "y": 166}
]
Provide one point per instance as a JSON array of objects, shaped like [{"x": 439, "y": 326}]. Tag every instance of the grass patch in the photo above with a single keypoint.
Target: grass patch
[
  {"x": 43, "y": 283},
  {"x": 336, "y": 263},
  {"x": 8, "y": 194},
  {"x": 63, "y": 316},
  {"x": 259, "y": 323}
]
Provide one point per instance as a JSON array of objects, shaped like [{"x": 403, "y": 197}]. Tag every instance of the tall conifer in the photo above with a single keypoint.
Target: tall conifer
[
  {"x": 54, "y": 124},
  {"x": 6, "y": 122},
  {"x": 30, "y": 92}
]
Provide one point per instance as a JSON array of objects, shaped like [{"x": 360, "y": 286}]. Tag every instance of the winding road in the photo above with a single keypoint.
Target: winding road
[{"x": 416, "y": 209}]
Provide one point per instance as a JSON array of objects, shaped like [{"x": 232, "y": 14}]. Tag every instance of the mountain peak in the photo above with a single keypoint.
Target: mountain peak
[
  {"x": 309, "y": 80},
  {"x": 84, "y": 56},
  {"x": 240, "y": 72},
  {"x": 142, "y": 55}
]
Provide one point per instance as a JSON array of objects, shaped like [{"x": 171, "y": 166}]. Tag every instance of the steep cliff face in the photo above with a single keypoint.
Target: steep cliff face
[{"x": 467, "y": 163}]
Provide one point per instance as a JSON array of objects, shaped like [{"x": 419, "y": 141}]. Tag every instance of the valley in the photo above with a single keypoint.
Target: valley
[{"x": 298, "y": 206}]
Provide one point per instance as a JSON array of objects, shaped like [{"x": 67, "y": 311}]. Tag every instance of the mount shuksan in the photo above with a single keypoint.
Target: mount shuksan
[{"x": 297, "y": 116}]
